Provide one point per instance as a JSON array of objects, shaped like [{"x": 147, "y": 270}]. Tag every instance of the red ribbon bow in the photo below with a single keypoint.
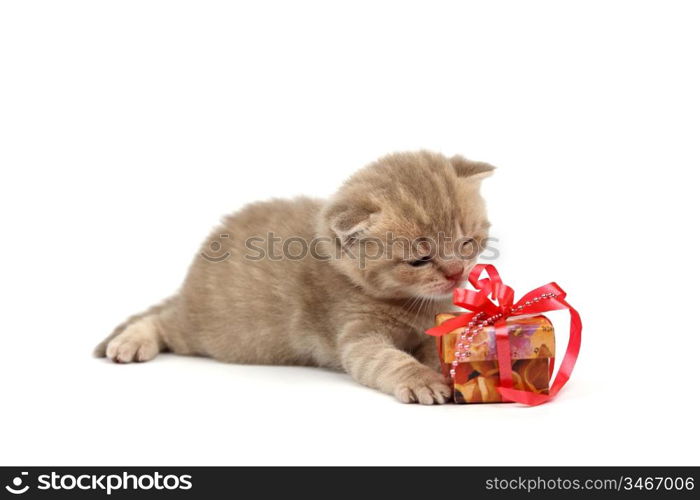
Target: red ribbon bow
[{"x": 549, "y": 297}]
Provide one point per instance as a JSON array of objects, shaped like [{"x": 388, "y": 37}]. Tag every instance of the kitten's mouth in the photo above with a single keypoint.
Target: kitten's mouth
[{"x": 445, "y": 289}]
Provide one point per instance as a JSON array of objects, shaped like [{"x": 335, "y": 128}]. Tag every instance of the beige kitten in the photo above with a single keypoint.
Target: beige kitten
[{"x": 374, "y": 274}]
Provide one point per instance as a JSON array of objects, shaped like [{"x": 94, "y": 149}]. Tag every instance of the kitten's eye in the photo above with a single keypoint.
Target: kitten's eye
[
  {"x": 420, "y": 262},
  {"x": 468, "y": 243},
  {"x": 470, "y": 249}
]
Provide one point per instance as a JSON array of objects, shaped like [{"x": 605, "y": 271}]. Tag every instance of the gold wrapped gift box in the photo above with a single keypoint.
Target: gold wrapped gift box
[{"x": 476, "y": 381}]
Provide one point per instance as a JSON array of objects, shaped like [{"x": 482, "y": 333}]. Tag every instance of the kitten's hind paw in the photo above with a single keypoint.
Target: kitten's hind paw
[{"x": 139, "y": 342}]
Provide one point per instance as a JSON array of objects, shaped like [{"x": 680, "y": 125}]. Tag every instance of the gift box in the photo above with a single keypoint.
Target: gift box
[
  {"x": 501, "y": 350},
  {"x": 476, "y": 377}
]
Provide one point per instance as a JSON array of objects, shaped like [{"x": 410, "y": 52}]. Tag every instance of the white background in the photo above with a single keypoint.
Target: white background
[{"x": 128, "y": 128}]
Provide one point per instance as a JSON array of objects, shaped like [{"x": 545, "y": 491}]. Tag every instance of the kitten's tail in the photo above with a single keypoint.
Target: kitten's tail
[{"x": 101, "y": 350}]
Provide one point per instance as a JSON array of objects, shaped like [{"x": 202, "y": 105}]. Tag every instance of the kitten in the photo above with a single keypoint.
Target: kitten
[{"x": 382, "y": 258}]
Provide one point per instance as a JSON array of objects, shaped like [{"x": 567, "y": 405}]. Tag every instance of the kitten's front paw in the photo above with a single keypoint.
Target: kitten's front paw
[
  {"x": 426, "y": 388},
  {"x": 133, "y": 344}
]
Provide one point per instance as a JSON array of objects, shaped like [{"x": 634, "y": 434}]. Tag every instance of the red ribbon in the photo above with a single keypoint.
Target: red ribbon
[{"x": 550, "y": 297}]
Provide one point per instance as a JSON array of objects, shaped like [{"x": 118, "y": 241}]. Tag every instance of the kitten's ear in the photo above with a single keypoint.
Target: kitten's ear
[
  {"x": 348, "y": 223},
  {"x": 473, "y": 170}
]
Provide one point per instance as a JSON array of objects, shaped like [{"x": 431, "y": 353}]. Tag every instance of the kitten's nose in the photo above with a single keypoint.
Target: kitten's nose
[{"x": 454, "y": 272}]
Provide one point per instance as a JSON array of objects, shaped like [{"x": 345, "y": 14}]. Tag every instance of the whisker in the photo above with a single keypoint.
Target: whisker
[
  {"x": 412, "y": 303},
  {"x": 422, "y": 303}
]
